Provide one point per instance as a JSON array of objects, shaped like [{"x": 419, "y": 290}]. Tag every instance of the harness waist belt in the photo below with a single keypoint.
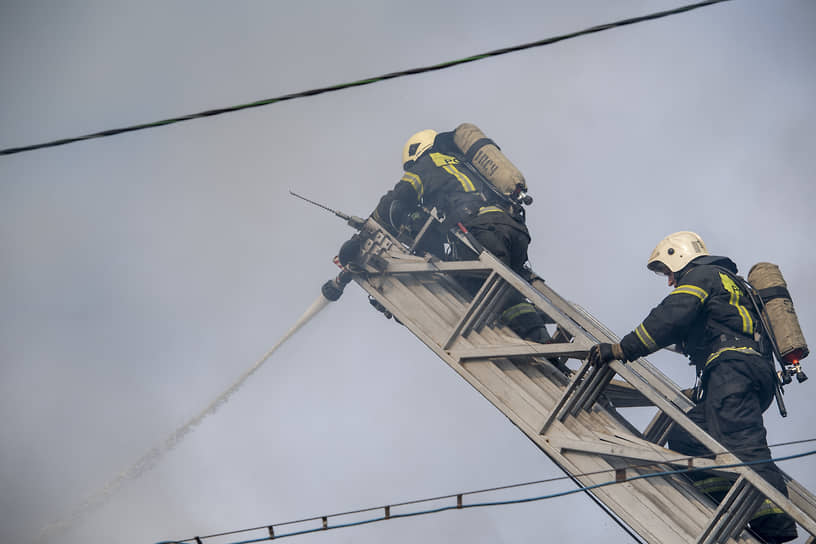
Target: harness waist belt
[{"x": 733, "y": 342}]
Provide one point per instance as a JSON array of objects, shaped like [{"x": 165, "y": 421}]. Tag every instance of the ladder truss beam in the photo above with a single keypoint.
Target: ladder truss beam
[{"x": 570, "y": 414}]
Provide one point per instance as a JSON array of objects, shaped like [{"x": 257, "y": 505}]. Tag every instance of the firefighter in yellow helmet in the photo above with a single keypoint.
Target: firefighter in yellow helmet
[
  {"x": 709, "y": 316},
  {"x": 435, "y": 177}
]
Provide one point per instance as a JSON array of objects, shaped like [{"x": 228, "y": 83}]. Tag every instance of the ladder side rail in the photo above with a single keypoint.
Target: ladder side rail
[
  {"x": 656, "y": 379},
  {"x": 591, "y": 428},
  {"x": 663, "y": 495},
  {"x": 626, "y": 507},
  {"x": 383, "y": 242},
  {"x": 523, "y": 287},
  {"x": 522, "y": 348},
  {"x": 655, "y": 373},
  {"x": 488, "y": 262},
  {"x": 800, "y": 496},
  {"x": 511, "y": 277},
  {"x": 680, "y": 418},
  {"x": 732, "y": 513},
  {"x": 634, "y": 453},
  {"x": 635, "y": 379},
  {"x": 647, "y": 375},
  {"x": 629, "y": 508},
  {"x": 410, "y": 267}
]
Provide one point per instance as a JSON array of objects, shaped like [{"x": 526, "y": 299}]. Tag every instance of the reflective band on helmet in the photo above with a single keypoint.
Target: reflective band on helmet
[
  {"x": 646, "y": 338},
  {"x": 690, "y": 290},
  {"x": 415, "y": 182},
  {"x": 731, "y": 287}
]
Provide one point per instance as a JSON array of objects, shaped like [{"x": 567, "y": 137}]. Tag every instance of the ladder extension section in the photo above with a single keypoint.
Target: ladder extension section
[{"x": 572, "y": 414}]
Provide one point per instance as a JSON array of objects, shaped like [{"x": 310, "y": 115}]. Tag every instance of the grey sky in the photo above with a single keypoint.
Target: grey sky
[{"x": 142, "y": 274}]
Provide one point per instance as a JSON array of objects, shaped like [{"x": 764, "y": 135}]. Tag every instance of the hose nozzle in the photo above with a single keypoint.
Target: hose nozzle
[{"x": 333, "y": 289}]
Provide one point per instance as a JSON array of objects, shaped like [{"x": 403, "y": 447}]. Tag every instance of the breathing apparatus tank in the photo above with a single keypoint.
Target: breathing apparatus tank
[
  {"x": 487, "y": 158},
  {"x": 767, "y": 281}
]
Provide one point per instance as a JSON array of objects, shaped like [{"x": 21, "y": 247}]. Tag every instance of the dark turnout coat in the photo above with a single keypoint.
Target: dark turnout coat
[
  {"x": 439, "y": 179},
  {"x": 712, "y": 319},
  {"x": 707, "y": 315}
]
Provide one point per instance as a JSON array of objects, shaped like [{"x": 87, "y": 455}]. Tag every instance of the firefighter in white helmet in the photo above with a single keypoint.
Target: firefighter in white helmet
[
  {"x": 434, "y": 176},
  {"x": 710, "y": 317}
]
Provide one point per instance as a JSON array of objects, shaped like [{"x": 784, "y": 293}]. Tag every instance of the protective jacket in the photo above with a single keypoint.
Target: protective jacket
[
  {"x": 711, "y": 318},
  {"x": 439, "y": 179},
  {"x": 706, "y": 315}
]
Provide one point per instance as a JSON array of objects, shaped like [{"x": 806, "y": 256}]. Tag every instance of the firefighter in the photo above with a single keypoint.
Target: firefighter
[
  {"x": 711, "y": 319},
  {"x": 435, "y": 178}
]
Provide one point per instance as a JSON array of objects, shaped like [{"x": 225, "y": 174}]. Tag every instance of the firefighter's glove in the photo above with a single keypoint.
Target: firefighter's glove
[
  {"x": 350, "y": 250},
  {"x": 416, "y": 221},
  {"x": 601, "y": 354}
]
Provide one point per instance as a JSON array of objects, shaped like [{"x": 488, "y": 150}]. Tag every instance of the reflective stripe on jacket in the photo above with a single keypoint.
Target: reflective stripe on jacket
[
  {"x": 704, "y": 311},
  {"x": 435, "y": 179}
]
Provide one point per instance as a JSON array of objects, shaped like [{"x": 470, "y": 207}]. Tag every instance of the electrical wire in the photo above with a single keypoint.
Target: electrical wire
[
  {"x": 460, "y": 506},
  {"x": 367, "y": 81}
]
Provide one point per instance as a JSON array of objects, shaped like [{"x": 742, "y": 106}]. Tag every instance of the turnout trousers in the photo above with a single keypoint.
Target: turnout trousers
[
  {"x": 738, "y": 388},
  {"x": 508, "y": 240}
]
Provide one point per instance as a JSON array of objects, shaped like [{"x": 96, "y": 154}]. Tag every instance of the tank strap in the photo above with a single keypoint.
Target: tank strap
[
  {"x": 770, "y": 293},
  {"x": 458, "y": 205},
  {"x": 476, "y": 146}
]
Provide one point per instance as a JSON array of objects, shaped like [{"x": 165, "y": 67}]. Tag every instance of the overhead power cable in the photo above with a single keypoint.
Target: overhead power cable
[
  {"x": 460, "y": 505},
  {"x": 361, "y": 82}
]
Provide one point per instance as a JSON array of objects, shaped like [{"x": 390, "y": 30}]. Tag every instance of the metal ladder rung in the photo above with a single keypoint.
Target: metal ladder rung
[
  {"x": 496, "y": 299},
  {"x": 733, "y": 513},
  {"x": 658, "y": 429},
  {"x": 577, "y": 379},
  {"x": 483, "y": 303},
  {"x": 591, "y": 389},
  {"x": 583, "y": 391}
]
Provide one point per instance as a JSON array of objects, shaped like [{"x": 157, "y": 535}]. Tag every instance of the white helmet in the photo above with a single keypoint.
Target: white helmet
[
  {"x": 675, "y": 251},
  {"x": 417, "y": 145}
]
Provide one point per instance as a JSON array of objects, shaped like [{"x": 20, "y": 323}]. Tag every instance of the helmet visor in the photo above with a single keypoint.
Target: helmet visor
[{"x": 659, "y": 268}]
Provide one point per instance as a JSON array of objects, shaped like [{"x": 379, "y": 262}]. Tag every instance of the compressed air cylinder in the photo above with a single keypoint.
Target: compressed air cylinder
[
  {"x": 488, "y": 159},
  {"x": 772, "y": 289}
]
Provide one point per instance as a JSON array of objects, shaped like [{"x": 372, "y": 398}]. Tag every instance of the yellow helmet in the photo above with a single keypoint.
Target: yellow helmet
[
  {"x": 418, "y": 144},
  {"x": 675, "y": 251}
]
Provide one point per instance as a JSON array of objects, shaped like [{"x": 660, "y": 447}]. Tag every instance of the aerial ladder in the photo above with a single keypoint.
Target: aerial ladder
[{"x": 572, "y": 415}]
